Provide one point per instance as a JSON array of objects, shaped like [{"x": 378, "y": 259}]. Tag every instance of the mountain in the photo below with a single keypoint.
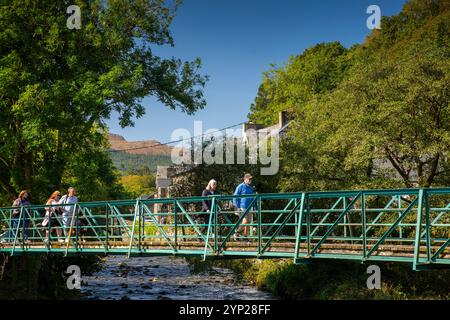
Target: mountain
[{"x": 144, "y": 147}]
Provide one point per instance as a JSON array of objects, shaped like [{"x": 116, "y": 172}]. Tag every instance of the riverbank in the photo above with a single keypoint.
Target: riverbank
[
  {"x": 41, "y": 277},
  {"x": 335, "y": 280}
]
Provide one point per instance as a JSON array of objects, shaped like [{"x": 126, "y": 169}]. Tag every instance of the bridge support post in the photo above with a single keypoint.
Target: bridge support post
[
  {"x": 175, "y": 222},
  {"x": 17, "y": 229},
  {"x": 141, "y": 229},
  {"x": 258, "y": 206},
  {"x": 211, "y": 215},
  {"x": 299, "y": 227},
  {"x": 216, "y": 226},
  {"x": 107, "y": 229},
  {"x": 363, "y": 223},
  {"x": 427, "y": 227},
  {"x": 136, "y": 212},
  {"x": 418, "y": 232}
]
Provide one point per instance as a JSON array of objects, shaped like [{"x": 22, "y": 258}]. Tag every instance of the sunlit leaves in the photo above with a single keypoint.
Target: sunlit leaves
[{"x": 57, "y": 86}]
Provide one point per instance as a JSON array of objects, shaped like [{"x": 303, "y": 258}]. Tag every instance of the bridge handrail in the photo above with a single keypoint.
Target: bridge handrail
[{"x": 281, "y": 195}]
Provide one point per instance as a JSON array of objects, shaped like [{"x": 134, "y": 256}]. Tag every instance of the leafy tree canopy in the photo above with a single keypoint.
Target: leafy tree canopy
[
  {"x": 376, "y": 115},
  {"x": 138, "y": 185},
  {"x": 57, "y": 86}
]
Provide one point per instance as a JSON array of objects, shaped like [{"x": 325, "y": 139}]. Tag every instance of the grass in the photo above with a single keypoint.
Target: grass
[{"x": 336, "y": 280}]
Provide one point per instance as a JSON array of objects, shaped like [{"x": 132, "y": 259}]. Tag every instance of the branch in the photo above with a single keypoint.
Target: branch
[
  {"x": 434, "y": 167},
  {"x": 4, "y": 161},
  {"x": 395, "y": 163},
  {"x": 6, "y": 187}
]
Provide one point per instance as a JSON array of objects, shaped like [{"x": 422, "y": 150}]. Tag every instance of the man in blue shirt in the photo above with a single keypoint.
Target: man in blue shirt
[{"x": 242, "y": 204}]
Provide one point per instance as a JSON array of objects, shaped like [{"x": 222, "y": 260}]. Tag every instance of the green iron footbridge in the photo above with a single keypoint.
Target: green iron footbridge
[{"x": 401, "y": 225}]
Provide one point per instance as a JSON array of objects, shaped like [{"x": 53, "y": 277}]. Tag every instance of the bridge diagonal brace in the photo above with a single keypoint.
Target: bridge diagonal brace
[
  {"x": 299, "y": 228},
  {"x": 233, "y": 229},
  {"x": 289, "y": 216},
  {"x": 440, "y": 250},
  {"x": 115, "y": 213},
  {"x": 435, "y": 220},
  {"x": 17, "y": 232},
  {"x": 225, "y": 216},
  {"x": 136, "y": 213},
  {"x": 382, "y": 212},
  {"x": 330, "y": 230},
  {"x": 279, "y": 216},
  {"x": 211, "y": 214},
  {"x": 6, "y": 219},
  {"x": 89, "y": 215},
  {"x": 37, "y": 230},
  {"x": 75, "y": 243},
  {"x": 158, "y": 226},
  {"x": 193, "y": 224},
  {"x": 326, "y": 216},
  {"x": 9, "y": 228},
  {"x": 60, "y": 222},
  {"x": 392, "y": 227}
]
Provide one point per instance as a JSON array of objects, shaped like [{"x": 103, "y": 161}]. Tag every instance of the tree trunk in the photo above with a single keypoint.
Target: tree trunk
[{"x": 433, "y": 170}]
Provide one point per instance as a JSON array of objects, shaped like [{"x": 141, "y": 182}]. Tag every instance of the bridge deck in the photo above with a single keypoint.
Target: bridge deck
[
  {"x": 288, "y": 248},
  {"x": 401, "y": 253}
]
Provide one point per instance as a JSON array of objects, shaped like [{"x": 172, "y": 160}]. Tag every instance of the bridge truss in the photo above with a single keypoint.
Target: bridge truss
[{"x": 401, "y": 225}]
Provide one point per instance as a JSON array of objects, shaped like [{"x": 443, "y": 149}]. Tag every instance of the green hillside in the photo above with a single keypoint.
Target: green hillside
[{"x": 127, "y": 163}]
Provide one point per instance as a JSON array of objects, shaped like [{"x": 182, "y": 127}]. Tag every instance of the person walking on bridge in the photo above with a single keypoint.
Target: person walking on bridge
[
  {"x": 210, "y": 190},
  {"x": 242, "y": 204},
  {"x": 19, "y": 221},
  {"x": 69, "y": 199},
  {"x": 53, "y": 217}
]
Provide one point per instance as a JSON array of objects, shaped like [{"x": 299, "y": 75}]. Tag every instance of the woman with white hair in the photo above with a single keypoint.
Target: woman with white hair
[
  {"x": 203, "y": 218},
  {"x": 210, "y": 190}
]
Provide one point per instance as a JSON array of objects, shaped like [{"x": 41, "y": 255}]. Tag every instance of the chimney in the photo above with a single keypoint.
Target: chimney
[
  {"x": 283, "y": 118},
  {"x": 244, "y": 128}
]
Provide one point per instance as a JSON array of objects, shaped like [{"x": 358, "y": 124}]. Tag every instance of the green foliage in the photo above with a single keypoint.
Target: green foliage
[
  {"x": 374, "y": 116},
  {"x": 57, "y": 87},
  {"x": 127, "y": 163},
  {"x": 337, "y": 280},
  {"x": 415, "y": 14},
  {"x": 192, "y": 180},
  {"x": 137, "y": 185},
  {"x": 318, "y": 70},
  {"x": 32, "y": 277}
]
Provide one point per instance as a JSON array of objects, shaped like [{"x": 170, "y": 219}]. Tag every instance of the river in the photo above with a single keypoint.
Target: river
[{"x": 159, "y": 278}]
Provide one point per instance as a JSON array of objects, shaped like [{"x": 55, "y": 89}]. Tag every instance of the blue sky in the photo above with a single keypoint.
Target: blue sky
[{"x": 237, "y": 40}]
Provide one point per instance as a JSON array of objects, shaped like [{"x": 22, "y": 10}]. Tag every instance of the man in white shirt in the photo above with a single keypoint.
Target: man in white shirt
[{"x": 68, "y": 210}]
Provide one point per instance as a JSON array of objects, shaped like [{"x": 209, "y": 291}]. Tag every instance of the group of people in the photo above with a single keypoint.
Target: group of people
[
  {"x": 241, "y": 204},
  {"x": 61, "y": 209},
  {"x": 55, "y": 216}
]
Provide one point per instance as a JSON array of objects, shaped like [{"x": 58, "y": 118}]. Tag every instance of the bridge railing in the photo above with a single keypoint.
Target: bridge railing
[{"x": 403, "y": 225}]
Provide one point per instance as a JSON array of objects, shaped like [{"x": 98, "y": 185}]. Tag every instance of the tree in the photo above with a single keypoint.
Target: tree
[
  {"x": 137, "y": 185},
  {"x": 373, "y": 116},
  {"x": 393, "y": 110},
  {"x": 57, "y": 86},
  {"x": 317, "y": 70},
  {"x": 191, "y": 179}
]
